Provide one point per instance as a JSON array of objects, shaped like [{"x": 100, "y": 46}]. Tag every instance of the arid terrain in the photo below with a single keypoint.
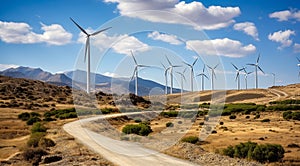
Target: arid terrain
[{"x": 21, "y": 95}]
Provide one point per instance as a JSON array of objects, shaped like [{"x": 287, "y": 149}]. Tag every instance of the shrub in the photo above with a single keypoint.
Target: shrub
[
  {"x": 34, "y": 154},
  {"x": 32, "y": 120},
  {"x": 201, "y": 123},
  {"x": 221, "y": 123},
  {"x": 247, "y": 117},
  {"x": 214, "y": 132},
  {"x": 38, "y": 127},
  {"x": 190, "y": 139},
  {"x": 169, "y": 124},
  {"x": 253, "y": 151},
  {"x": 292, "y": 145},
  {"x": 138, "y": 120},
  {"x": 265, "y": 120},
  {"x": 24, "y": 116},
  {"x": 257, "y": 116},
  {"x": 109, "y": 110},
  {"x": 35, "y": 139},
  {"x": 139, "y": 129},
  {"x": 35, "y": 114},
  {"x": 46, "y": 142},
  {"x": 49, "y": 119},
  {"x": 68, "y": 115},
  {"x": 291, "y": 115},
  {"x": 169, "y": 114},
  {"x": 232, "y": 117}
]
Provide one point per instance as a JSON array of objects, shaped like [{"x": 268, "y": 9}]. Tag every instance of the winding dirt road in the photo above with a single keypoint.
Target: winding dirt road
[{"x": 132, "y": 154}]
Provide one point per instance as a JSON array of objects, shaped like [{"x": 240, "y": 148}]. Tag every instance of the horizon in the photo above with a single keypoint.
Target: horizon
[{"x": 47, "y": 39}]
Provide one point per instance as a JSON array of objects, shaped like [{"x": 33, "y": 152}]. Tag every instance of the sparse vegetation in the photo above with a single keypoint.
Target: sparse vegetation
[
  {"x": 252, "y": 151},
  {"x": 139, "y": 129},
  {"x": 190, "y": 139},
  {"x": 288, "y": 115},
  {"x": 169, "y": 124},
  {"x": 232, "y": 117},
  {"x": 34, "y": 155},
  {"x": 169, "y": 113},
  {"x": 38, "y": 127},
  {"x": 265, "y": 120}
]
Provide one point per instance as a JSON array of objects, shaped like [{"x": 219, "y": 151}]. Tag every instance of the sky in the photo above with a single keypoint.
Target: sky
[{"x": 40, "y": 34}]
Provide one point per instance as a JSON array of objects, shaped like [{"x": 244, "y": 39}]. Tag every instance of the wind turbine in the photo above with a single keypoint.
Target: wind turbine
[
  {"x": 166, "y": 78},
  {"x": 182, "y": 78},
  {"x": 237, "y": 78},
  {"x": 256, "y": 67},
  {"x": 202, "y": 77},
  {"x": 298, "y": 66},
  {"x": 192, "y": 72},
  {"x": 246, "y": 77},
  {"x": 213, "y": 74},
  {"x": 171, "y": 73},
  {"x": 87, "y": 52},
  {"x": 273, "y": 78},
  {"x": 135, "y": 73}
]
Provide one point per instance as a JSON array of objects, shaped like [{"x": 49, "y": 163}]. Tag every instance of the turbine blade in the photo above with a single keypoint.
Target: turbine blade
[
  {"x": 95, "y": 33},
  {"x": 79, "y": 27},
  {"x": 168, "y": 61},
  {"x": 195, "y": 61},
  {"x": 251, "y": 64},
  {"x": 176, "y": 66},
  {"x": 209, "y": 67},
  {"x": 237, "y": 75},
  {"x": 206, "y": 76},
  {"x": 234, "y": 66},
  {"x": 260, "y": 69},
  {"x": 133, "y": 57},
  {"x": 143, "y": 66},
  {"x": 184, "y": 70},
  {"x": 86, "y": 48},
  {"x": 258, "y": 58},
  {"x": 216, "y": 66},
  {"x": 163, "y": 66},
  {"x": 298, "y": 59},
  {"x": 203, "y": 69},
  {"x": 134, "y": 71},
  {"x": 187, "y": 64}
]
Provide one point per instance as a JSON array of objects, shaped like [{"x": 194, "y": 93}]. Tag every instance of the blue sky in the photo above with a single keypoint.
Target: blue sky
[{"x": 40, "y": 34}]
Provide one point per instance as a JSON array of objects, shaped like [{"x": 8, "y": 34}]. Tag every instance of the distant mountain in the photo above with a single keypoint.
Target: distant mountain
[{"x": 101, "y": 83}]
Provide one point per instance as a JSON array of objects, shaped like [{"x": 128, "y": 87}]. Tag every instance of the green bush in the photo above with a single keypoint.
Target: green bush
[
  {"x": 35, "y": 139},
  {"x": 24, "y": 116},
  {"x": 137, "y": 120},
  {"x": 257, "y": 116},
  {"x": 68, "y": 115},
  {"x": 291, "y": 115},
  {"x": 38, "y": 127},
  {"x": 190, "y": 139},
  {"x": 34, "y": 155},
  {"x": 109, "y": 110},
  {"x": 253, "y": 151},
  {"x": 289, "y": 101},
  {"x": 169, "y": 124},
  {"x": 35, "y": 114},
  {"x": 32, "y": 120},
  {"x": 139, "y": 129},
  {"x": 169, "y": 114}
]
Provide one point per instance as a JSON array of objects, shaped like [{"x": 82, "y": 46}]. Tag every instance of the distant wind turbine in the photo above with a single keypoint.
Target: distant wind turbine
[
  {"x": 135, "y": 73},
  {"x": 298, "y": 66},
  {"x": 256, "y": 67},
  {"x": 87, "y": 52},
  {"x": 171, "y": 73},
  {"x": 202, "y": 77},
  {"x": 246, "y": 77},
  {"x": 182, "y": 79},
  {"x": 273, "y": 78},
  {"x": 213, "y": 75},
  {"x": 166, "y": 78},
  {"x": 237, "y": 78},
  {"x": 192, "y": 72}
]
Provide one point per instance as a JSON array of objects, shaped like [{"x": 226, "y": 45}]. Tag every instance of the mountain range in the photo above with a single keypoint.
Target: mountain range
[{"x": 77, "y": 79}]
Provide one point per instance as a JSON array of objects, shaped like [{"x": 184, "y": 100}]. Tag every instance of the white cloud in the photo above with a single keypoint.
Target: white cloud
[
  {"x": 109, "y": 74},
  {"x": 247, "y": 27},
  {"x": 121, "y": 44},
  {"x": 172, "y": 39},
  {"x": 221, "y": 47},
  {"x": 297, "y": 48},
  {"x": 213, "y": 17},
  {"x": 282, "y": 37},
  {"x": 7, "y": 66},
  {"x": 285, "y": 15},
  {"x": 14, "y": 32}
]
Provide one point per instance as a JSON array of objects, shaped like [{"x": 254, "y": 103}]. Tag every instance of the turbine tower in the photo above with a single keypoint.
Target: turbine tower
[
  {"x": 192, "y": 72},
  {"x": 182, "y": 78},
  {"x": 256, "y": 67},
  {"x": 87, "y": 52},
  {"x": 135, "y": 73},
  {"x": 171, "y": 73},
  {"x": 166, "y": 78},
  {"x": 273, "y": 78},
  {"x": 246, "y": 77},
  {"x": 213, "y": 74},
  {"x": 202, "y": 77},
  {"x": 237, "y": 78},
  {"x": 298, "y": 66}
]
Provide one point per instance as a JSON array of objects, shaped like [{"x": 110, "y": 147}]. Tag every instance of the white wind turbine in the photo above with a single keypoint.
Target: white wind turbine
[
  {"x": 202, "y": 77},
  {"x": 171, "y": 73},
  {"x": 274, "y": 76},
  {"x": 256, "y": 67},
  {"x": 87, "y": 52},
  {"x": 182, "y": 79},
  {"x": 166, "y": 78},
  {"x": 246, "y": 77},
  {"x": 192, "y": 72},
  {"x": 298, "y": 66},
  {"x": 213, "y": 75},
  {"x": 135, "y": 73},
  {"x": 237, "y": 78}
]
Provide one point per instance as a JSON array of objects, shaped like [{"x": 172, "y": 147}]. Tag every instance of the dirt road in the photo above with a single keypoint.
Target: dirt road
[{"x": 119, "y": 152}]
